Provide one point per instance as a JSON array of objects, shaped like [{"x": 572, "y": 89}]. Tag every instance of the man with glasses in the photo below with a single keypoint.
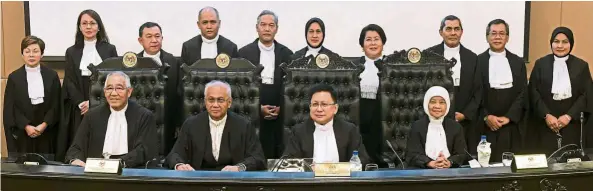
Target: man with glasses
[
  {"x": 217, "y": 139},
  {"x": 119, "y": 129},
  {"x": 323, "y": 137}
]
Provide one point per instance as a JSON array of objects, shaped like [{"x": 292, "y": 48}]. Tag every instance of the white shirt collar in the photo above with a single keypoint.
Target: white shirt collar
[
  {"x": 90, "y": 42},
  {"x": 312, "y": 51},
  {"x": 456, "y": 49},
  {"x": 329, "y": 125},
  {"x": 263, "y": 47},
  {"x": 210, "y": 41},
  {"x": 156, "y": 57},
  {"x": 209, "y": 48}
]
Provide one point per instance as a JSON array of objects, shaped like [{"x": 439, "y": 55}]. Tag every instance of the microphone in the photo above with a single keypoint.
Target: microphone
[
  {"x": 396, "y": 155},
  {"x": 278, "y": 162},
  {"x": 470, "y": 156},
  {"x": 582, "y": 121}
]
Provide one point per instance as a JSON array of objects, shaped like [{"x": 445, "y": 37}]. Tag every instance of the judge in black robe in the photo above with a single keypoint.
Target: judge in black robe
[
  {"x": 237, "y": 144},
  {"x": 91, "y": 136},
  {"x": 151, "y": 40},
  {"x": 311, "y": 139},
  {"x": 76, "y": 86},
  {"x": 558, "y": 114},
  {"x": 426, "y": 142},
  {"x": 209, "y": 24},
  {"x": 315, "y": 35},
  {"x": 467, "y": 90},
  {"x": 19, "y": 111}
]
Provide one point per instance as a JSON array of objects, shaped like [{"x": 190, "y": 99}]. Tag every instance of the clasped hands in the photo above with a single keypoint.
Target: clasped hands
[
  {"x": 35, "y": 131},
  {"x": 270, "y": 112},
  {"x": 440, "y": 162},
  {"x": 495, "y": 123},
  {"x": 555, "y": 124}
]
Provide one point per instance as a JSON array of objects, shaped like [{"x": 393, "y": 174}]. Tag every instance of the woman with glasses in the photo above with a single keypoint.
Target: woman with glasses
[
  {"x": 91, "y": 47},
  {"x": 32, "y": 103}
]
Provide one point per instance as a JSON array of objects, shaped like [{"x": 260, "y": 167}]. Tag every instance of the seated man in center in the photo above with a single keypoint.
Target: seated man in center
[
  {"x": 217, "y": 139},
  {"x": 323, "y": 137}
]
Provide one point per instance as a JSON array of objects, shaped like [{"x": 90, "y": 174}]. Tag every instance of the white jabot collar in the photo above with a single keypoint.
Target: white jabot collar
[
  {"x": 369, "y": 82},
  {"x": 216, "y": 133},
  {"x": 312, "y": 51},
  {"x": 325, "y": 148},
  {"x": 116, "y": 136},
  {"x": 267, "y": 59},
  {"x": 90, "y": 55},
  {"x": 561, "y": 85},
  {"x": 454, "y": 53},
  {"x": 156, "y": 57},
  {"x": 35, "y": 84},
  {"x": 209, "y": 47},
  {"x": 210, "y": 41},
  {"x": 500, "y": 75}
]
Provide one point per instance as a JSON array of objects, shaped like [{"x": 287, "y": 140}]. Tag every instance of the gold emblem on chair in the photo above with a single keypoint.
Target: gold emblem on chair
[
  {"x": 223, "y": 60},
  {"x": 130, "y": 59},
  {"x": 414, "y": 55},
  {"x": 322, "y": 60}
]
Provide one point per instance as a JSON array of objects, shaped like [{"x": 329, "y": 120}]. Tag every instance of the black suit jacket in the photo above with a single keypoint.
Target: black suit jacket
[
  {"x": 18, "y": 110},
  {"x": 416, "y": 154},
  {"x": 244, "y": 143},
  {"x": 467, "y": 99},
  {"x": 142, "y": 136},
  {"x": 191, "y": 51},
  {"x": 348, "y": 139},
  {"x": 269, "y": 94}
]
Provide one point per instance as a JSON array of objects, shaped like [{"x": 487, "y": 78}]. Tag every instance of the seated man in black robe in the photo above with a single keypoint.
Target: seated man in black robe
[
  {"x": 217, "y": 139},
  {"x": 119, "y": 129}
]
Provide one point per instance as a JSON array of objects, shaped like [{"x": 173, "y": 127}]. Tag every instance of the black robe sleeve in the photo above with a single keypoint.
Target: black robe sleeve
[
  {"x": 515, "y": 113},
  {"x": 182, "y": 148},
  {"x": 538, "y": 105},
  {"x": 293, "y": 148},
  {"x": 458, "y": 156},
  {"x": 13, "y": 116},
  {"x": 254, "y": 155},
  {"x": 145, "y": 147},
  {"x": 79, "y": 148},
  {"x": 416, "y": 156},
  {"x": 580, "y": 104},
  {"x": 235, "y": 52},
  {"x": 185, "y": 55},
  {"x": 53, "y": 114},
  {"x": 471, "y": 109},
  {"x": 70, "y": 80}
]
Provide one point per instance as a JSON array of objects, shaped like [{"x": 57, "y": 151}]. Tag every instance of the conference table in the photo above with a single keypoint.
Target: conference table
[{"x": 48, "y": 177}]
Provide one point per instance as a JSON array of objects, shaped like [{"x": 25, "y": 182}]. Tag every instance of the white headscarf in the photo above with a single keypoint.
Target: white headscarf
[{"x": 436, "y": 140}]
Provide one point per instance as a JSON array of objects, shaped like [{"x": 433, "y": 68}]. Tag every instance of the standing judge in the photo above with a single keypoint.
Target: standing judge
[
  {"x": 119, "y": 129},
  {"x": 91, "y": 47},
  {"x": 151, "y": 38},
  {"x": 315, "y": 35},
  {"x": 209, "y": 43},
  {"x": 217, "y": 139},
  {"x": 504, "y": 82},
  {"x": 466, "y": 82},
  {"x": 267, "y": 52},
  {"x": 436, "y": 141},
  {"x": 322, "y": 136},
  {"x": 32, "y": 103},
  {"x": 558, "y": 92}
]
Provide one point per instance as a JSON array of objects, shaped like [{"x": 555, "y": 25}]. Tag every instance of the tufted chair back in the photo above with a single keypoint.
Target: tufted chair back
[
  {"x": 239, "y": 74},
  {"x": 148, "y": 80},
  {"x": 303, "y": 73},
  {"x": 403, "y": 85}
]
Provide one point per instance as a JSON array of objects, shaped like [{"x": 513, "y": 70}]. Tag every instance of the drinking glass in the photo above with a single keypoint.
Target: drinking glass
[
  {"x": 371, "y": 167},
  {"x": 507, "y": 158}
]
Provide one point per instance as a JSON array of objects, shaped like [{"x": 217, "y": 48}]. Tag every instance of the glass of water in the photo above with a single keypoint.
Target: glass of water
[
  {"x": 507, "y": 158},
  {"x": 371, "y": 167}
]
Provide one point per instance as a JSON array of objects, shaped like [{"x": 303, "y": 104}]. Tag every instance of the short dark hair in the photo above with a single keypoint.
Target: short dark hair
[
  {"x": 30, "y": 40},
  {"x": 372, "y": 27},
  {"x": 323, "y": 88},
  {"x": 496, "y": 22},
  {"x": 148, "y": 25},
  {"x": 450, "y": 18}
]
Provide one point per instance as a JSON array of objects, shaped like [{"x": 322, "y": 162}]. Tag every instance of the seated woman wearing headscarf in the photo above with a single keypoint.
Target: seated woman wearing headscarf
[
  {"x": 315, "y": 35},
  {"x": 436, "y": 141}
]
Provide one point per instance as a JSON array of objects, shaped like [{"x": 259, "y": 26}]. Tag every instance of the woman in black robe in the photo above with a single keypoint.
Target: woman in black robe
[
  {"x": 558, "y": 86},
  {"x": 32, "y": 102},
  {"x": 315, "y": 35},
  {"x": 91, "y": 47}
]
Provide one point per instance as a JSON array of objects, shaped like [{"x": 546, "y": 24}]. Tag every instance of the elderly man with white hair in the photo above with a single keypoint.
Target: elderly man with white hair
[
  {"x": 217, "y": 139},
  {"x": 119, "y": 129}
]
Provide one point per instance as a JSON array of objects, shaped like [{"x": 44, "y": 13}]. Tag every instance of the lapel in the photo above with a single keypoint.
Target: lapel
[
  {"x": 24, "y": 91},
  {"x": 449, "y": 132},
  {"x": 440, "y": 49},
  {"x": 227, "y": 137},
  {"x": 465, "y": 68},
  {"x": 100, "y": 127},
  {"x": 77, "y": 56},
  {"x": 423, "y": 130},
  {"x": 220, "y": 45},
  {"x": 102, "y": 50},
  {"x": 199, "y": 50},
  {"x": 486, "y": 70},
  {"x": 573, "y": 71},
  {"x": 47, "y": 82},
  {"x": 308, "y": 140},
  {"x": 131, "y": 119},
  {"x": 515, "y": 67},
  {"x": 341, "y": 137},
  {"x": 257, "y": 53}
]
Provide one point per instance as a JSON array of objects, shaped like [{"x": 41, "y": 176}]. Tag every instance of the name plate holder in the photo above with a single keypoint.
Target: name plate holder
[
  {"x": 102, "y": 165},
  {"x": 529, "y": 163},
  {"x": 339, "y": 169}
]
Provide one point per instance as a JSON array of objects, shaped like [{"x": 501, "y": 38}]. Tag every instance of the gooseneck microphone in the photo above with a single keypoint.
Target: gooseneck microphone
[
  {"x": 396, "y": 155},
  {"x": 582, "y": 121},
  {"x": 278, "y": 162},
  {"x": 470, "y": 156}
]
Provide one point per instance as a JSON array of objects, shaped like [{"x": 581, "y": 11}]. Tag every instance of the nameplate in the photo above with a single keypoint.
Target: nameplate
[
  {"x": 534, "y": 161},
  {"x": 573, "y": 160},
  {"x": 31, "y": 163},
  {"x": 99, "y": 165},
  {"x": 332, "y": 169}
]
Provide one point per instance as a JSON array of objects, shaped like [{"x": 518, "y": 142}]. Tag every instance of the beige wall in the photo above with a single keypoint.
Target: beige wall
[{"x": 545, "y": 16}]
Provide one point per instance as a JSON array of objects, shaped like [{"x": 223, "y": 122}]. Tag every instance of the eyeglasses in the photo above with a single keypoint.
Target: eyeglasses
[
  {"x": 323, "y": 105},
  {"x": 118, "y": 90},
  {"x": 499, "y": 34},
  {"x": 217, "y": 100},
  {"x": 92, "y": 24}
]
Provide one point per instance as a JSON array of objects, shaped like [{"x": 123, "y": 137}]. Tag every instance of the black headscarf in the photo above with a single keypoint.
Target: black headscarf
[
  {"x": 566, "y": 31},
  {"x": 321, "y": 25}
]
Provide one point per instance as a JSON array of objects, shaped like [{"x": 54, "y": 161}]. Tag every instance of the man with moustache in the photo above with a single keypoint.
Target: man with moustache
[
  {"x": 267, "y": 52},
  {"x": 465, "y": 81},
  {"x": 209, "y": 43}
]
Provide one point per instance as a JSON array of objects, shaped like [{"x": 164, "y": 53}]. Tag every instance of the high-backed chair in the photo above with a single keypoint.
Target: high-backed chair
[
  {"x": 148, "y": 80},
  {"x": 405, "y": 77},
  {"x": 303, "y": 73},
  {"x": 239, "y": 73}
]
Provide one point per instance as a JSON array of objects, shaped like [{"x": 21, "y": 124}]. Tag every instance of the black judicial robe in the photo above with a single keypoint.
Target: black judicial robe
[
  {"x": 271, "y": 131},
  {"x": 75, "y": 89},
  {"x": 142, "y": 135},
  {"x": 19, "y": 112},
  {"x": 370, "y": 123},
  {"x": 239, "y": 144},
  {"x": 467, "y": 95},
  {"x": 509, "y": 103},
  {"x": 173, "y": 97},
  {"x": 191, "y": 51},
  {"x": 301, "y": 53},
  {"x": 348, "y": 139},
  {"x": 542, "y": 102},
  {"x": 416, "y": 155}
]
